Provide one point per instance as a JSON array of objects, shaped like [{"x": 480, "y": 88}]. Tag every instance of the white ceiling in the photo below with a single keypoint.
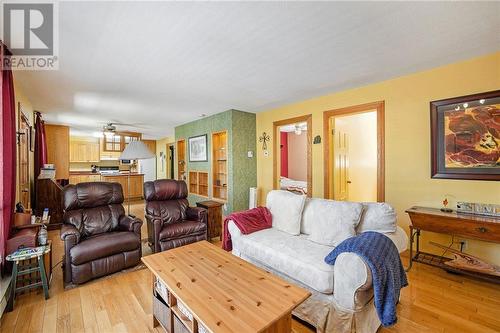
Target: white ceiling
[{"x": 161, "y": 64}]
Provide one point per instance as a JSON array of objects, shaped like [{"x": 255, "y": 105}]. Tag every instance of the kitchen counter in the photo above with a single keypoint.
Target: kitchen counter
[
  {"x": 82, "y": 173},
  {"x": 121, "y": 173},
  {"x": 132, "y": 187},
  {"x": 125, "y": 174}
]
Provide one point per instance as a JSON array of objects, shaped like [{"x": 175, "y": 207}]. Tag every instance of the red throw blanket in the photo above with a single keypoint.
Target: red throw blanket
[{"x": 247, "y": 221}]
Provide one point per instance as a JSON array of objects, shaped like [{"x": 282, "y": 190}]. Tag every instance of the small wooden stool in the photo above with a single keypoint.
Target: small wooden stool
[{"x": 18, "y": 270}]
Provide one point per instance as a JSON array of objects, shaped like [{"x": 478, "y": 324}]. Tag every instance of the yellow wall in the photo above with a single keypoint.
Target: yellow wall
[
  {"x": 161, "y": 146},
  {"x": 407, "y": 136}
]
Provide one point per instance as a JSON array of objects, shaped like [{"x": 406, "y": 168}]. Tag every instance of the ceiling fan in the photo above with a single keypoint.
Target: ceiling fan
[{"x": 109, "y": 129}]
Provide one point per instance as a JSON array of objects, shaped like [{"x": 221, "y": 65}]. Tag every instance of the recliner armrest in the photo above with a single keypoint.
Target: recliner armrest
[
  {"x": 68, "y": 231},
  {"x": 128, "y": 223},
  {"x": 197, "y": 214}
]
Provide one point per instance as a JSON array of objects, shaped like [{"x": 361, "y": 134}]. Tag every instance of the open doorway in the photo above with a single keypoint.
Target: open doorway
[
  {"x": 292, "y": 157},
  {"x": 170, "y": 173},
  {"x": 354, "y": 153}
]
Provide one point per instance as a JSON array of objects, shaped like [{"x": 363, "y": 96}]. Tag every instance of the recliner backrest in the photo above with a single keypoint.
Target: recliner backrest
[
  {"x": 94, "y": 207},
  {"x": 166, "y": 199}
]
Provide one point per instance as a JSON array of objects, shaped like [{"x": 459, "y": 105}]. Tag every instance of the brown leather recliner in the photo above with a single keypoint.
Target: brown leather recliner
[
  {"x": 99, "y": 238},
  {"x": 171, "y": 222}
]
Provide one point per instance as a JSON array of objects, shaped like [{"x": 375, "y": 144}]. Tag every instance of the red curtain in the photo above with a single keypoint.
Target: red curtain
[
  {"x": 40, "y": 144},
  {"x": 7, "y": 153}
]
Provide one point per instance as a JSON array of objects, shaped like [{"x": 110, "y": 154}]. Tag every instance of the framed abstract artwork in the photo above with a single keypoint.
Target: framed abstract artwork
[
  {"x": 465, "y": 137},
  {"x": 198, "y": 148}
]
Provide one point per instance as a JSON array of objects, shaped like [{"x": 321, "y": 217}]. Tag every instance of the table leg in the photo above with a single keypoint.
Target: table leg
[
  {"x": 10, "y": 303},
  {"x": 43, "y": 277},
  {"x": 418, "y": 242},
  {"x": 412, "y": 234},
  {"x": 282, "y": 325}
]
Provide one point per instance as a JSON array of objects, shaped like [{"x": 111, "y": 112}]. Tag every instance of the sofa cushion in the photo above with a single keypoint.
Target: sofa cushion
[
  {"x": 294, "y": 256},
  {"x": 182, "y": 229},
  {"x": 377, "y": 216},
  {"x": 286, "y": 209},
  {"x": 334, "y": 221},
  {"x": 104, "y": 245}
]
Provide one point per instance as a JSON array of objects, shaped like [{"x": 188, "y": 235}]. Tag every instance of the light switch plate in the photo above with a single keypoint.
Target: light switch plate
[{"x": 249, "y": 154}]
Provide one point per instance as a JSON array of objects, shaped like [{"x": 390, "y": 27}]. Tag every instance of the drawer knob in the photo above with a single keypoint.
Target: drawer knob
[{"x": 482, "y": 229}]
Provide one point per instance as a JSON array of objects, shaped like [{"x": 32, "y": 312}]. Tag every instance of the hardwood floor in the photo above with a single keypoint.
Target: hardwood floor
[{"x": 435, "y": 301}]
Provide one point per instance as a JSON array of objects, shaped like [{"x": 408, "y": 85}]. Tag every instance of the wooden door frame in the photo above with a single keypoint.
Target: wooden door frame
[
  {"x": 308, "y": 119},
  {"x": 177, "y": 159},
  {"x": 351, "y": 110},
  {"x": 20, "y": 119}
]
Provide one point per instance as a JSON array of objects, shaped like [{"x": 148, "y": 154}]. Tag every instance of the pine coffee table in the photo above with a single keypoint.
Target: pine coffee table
[{"x": 202, "y": 288}]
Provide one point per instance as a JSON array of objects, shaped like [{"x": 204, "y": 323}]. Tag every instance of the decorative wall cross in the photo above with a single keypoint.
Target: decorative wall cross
[{"x": 264, "y": 139}]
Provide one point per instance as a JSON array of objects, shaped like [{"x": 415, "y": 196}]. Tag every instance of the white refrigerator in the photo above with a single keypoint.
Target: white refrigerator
[{"x": 148, "y": 168}]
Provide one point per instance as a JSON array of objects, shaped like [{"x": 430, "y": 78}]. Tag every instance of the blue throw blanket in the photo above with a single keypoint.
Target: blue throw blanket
[{"x": 381, "y": 255}]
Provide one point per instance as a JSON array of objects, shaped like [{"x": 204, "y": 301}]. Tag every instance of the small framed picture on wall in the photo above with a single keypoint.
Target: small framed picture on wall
[
  {"x": 198, "y": 150},
  {"x": 465, "y": 137}
]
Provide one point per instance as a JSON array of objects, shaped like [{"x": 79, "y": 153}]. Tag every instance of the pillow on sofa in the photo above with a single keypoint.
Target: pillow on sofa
[
  {"x": 377, "y": 216},
  {"x": 334, "y": 221},
  {"x": 286, "y": 209}
]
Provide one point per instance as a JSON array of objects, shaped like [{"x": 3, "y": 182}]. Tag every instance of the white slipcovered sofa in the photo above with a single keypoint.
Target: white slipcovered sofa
[{"x": 304, "y": 232}]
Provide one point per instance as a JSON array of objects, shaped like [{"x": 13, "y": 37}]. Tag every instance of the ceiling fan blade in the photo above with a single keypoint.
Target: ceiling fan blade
[{"x": 117, "y": 123}]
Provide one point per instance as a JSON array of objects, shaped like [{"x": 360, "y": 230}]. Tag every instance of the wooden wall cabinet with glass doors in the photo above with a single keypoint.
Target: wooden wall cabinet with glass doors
[
  {"x": 219, "y": 165},
  {"x": 119, "y": 140}
]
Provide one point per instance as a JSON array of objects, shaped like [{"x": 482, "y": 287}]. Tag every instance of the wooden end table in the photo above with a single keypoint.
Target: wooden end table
[
  {"x": 484, "y": 228},
  {"x": 214, "y": 217},
  {"x": 19, "y": 270}
]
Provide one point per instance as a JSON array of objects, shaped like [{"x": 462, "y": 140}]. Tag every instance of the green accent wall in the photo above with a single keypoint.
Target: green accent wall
[{"x": 242, "y": 170}]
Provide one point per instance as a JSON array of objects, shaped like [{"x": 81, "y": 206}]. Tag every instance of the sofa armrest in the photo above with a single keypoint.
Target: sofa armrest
[
  {"x": 128, "y": 223},
  {"x": 69, "y": 233},
  {"x": 71, "y": 237},
  {"x": 352, "y": 282},
  {"x": 154, "y": 224},
  {"x": 233, "y": 230},
  {"x": 197, "y": 214}
]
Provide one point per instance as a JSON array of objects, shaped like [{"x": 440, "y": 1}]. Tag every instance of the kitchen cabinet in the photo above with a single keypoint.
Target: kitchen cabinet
[
  {"x": 136, "y": 181},
  {"x": 118, "y": 141},
  {"x": 57, "y": 137},
  {"x": 136, "y": 184},
  {"x": 83, "y": 178},
  {"x": 84, "y": 151}
]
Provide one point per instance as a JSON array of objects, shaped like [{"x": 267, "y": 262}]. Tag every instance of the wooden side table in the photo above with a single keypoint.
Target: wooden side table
[
  {"x": 39, "y": 253},
  {"x": 214, "y": 209},
  {"x": 484, "y": 228}
]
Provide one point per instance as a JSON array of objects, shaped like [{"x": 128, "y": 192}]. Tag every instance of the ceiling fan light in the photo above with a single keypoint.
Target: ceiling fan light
[{"x": 108, "y": 134}]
